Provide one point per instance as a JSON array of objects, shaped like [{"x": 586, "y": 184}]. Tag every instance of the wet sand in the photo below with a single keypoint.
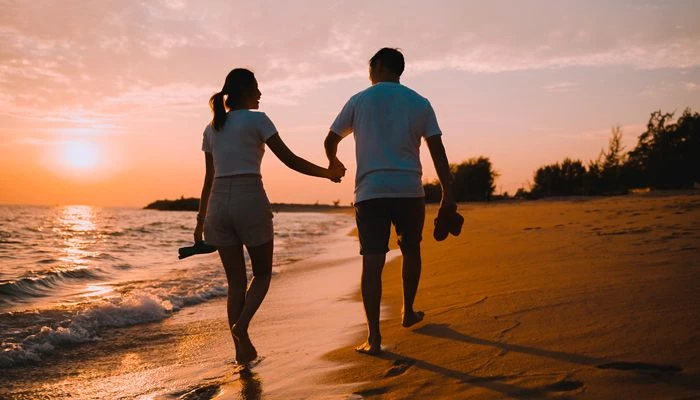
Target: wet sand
[{"x": 575, "y": 298}]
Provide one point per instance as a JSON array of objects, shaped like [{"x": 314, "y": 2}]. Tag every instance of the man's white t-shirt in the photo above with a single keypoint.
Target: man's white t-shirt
[
  {"x": 388, "y": 120},
  {"x": 238, "y": 147}
]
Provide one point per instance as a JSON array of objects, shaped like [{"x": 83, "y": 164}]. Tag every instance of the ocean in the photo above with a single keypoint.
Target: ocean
[{"x": 69, "y": 274}]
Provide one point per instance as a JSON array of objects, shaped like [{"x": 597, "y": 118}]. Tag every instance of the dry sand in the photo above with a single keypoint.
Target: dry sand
[{"x": 576, "y": 298}]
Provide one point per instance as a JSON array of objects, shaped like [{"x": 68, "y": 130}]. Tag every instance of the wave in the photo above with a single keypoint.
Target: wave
[
  {"x": 6, "y": 238},
  {"x": 86, "y": 325},
  {"x": 40, "y": 286}
]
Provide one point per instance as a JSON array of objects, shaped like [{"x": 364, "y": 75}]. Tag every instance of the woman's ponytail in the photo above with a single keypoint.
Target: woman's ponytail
[
  {"x": 237, "y": 82},
  {"x": 216, "y": 102}
]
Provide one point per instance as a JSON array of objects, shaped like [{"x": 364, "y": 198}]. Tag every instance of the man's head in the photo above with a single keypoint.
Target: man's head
[{"x": 386, "y": 66}]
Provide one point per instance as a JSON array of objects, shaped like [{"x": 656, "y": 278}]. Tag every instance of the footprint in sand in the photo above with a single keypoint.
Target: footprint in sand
[
  {"x": 371, "y": 392},
  {"x": 399, "y": 367},
  {"x": 637, "y": 366},
  {"x": 201, "y": 393},
  {"x": 563, "y": 386}
]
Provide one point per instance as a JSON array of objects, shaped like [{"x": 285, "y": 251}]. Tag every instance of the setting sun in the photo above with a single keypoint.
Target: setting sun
[{"x": 79, "y": 156}]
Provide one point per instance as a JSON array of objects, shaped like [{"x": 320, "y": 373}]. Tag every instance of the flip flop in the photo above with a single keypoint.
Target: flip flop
[
  {"x": 197, "y": 248},
  {"x": 448, "y": 221}
]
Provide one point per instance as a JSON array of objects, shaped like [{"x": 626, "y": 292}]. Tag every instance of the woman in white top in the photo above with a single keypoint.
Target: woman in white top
[{"x": 234, "y": 210}]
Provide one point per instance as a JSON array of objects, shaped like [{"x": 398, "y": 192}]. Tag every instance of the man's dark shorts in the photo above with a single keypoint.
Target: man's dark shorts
[{"x": 374, "y": 219}]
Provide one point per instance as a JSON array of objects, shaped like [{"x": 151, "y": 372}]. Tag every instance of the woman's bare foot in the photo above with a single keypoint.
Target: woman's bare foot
[
  {"x": 412, "y": 318},
  {"x": 245, "y": 351},
  {"x": 236, "y": 344},
  {"x": 372, "y": 346}
]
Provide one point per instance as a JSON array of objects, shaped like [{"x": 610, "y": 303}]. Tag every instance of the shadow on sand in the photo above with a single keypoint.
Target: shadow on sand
[
  {"x": 671, "y": 374},
  {"x": 401, "y": 364}
]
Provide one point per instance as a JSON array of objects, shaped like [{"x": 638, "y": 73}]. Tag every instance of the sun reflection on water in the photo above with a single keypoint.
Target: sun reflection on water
[
  {"x": 76, "y": 228},
  {"x": 77, "y": 218},
  {"x": 75, "y": 225}
]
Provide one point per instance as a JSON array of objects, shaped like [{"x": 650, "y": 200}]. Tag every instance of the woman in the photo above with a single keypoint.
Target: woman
[{"x": 234, "y": 210}]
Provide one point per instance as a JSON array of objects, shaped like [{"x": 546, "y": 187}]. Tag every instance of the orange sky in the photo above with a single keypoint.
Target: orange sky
[{"x": 104, "y": 103}]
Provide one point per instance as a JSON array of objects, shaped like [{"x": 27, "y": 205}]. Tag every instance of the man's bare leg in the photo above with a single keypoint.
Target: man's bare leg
[
  {"x": 410, "y": 273},
  {"x": 372, "y": 266}
]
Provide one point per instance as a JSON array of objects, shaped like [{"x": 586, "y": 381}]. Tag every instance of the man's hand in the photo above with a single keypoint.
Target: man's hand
[
  {"x": 336, "y": 169},
  {"x": 448, "y": 199}
]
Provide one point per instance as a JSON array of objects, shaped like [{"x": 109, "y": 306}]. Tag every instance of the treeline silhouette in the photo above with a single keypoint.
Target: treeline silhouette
[{"x": 667, "y": 156}]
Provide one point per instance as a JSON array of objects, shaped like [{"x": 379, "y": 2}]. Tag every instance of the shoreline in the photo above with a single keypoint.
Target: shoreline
[{"x": 309, "y": 311}]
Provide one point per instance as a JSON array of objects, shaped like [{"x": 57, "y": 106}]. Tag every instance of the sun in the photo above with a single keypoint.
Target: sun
[{"x": 79, "y": 156}]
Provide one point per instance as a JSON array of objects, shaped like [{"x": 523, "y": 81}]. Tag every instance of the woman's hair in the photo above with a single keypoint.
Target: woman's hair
[{"x": 238, "y": 83}]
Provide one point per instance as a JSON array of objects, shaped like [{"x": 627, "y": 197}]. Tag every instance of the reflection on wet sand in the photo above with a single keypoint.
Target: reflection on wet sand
[{"x": 251, "y": 385}]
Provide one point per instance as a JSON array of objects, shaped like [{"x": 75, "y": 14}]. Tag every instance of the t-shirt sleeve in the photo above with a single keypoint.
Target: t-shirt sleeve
[
  {"x": 265, "y": 127},
  {"x": 343, "y": 124},
  {"x": 206, "y": 139},
  {"x": 431, "y": 125}
]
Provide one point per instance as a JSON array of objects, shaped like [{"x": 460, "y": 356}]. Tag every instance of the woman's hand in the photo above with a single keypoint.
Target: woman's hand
[{"x": 199, "y": 231}]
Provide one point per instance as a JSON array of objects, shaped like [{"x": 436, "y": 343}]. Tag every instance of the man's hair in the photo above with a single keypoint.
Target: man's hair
[{"x": 392, "y": 59}]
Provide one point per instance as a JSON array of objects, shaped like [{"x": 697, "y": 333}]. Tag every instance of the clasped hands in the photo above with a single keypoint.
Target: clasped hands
[{"x": 336, "y": 170}]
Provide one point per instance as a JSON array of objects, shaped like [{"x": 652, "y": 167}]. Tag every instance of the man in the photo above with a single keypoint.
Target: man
[{"x": 389, "y": 120}]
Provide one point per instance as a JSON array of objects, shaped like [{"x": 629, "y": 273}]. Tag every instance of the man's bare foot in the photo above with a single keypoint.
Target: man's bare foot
[
  {"x": 371, "y": 347},
  {"x": 245, "y": 351},
  {"x": 412, "y": 318}
]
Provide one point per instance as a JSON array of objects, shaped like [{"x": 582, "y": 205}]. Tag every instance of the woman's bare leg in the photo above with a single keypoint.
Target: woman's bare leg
[
  {"x": 234, "y": 266},
  {"x": 261, "y": 258}
]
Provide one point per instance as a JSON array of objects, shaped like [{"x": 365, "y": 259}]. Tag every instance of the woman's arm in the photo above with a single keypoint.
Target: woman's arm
[
  {"x": 204, "y": 198},
  {"x": 298, "y": 164}
]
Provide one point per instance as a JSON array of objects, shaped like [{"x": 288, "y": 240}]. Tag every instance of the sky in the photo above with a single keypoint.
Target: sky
[{"x": 104, "y": 102}]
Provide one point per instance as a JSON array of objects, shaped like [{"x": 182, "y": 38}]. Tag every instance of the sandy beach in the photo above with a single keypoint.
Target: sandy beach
[
  {"x": 577, "y": 298},
  {"x": 573, "y": 298}
]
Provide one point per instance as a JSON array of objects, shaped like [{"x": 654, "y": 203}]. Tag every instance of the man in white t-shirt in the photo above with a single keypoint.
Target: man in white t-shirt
[{"x": 389, "y": 120}]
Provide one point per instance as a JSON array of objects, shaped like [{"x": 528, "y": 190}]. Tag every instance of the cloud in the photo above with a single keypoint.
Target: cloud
[
  {"x": 691, "y": 86},
  {"x": 561, "y": 87},
  {"x": 175, "y": 52},
  {"x": 288, "y": 91},
  {"x": 628, "y": 132},
  {"x": 174, "y": 95}
]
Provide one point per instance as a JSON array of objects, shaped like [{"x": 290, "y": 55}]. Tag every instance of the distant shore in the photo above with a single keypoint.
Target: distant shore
[{"x": 192, "y": 204}]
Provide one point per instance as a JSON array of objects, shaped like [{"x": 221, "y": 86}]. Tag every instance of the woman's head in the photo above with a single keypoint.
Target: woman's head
[{"x": 241, "y": 91}]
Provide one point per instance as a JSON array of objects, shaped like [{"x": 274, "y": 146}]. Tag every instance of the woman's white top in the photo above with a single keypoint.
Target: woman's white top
[{"x": 238, "y": 147}]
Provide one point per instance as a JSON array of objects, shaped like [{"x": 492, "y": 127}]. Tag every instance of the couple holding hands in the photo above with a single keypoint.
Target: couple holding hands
[{"x": 388, "y": 121}]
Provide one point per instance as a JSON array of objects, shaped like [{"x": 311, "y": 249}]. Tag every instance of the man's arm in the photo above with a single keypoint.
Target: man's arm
[
  {"x": 442, "y": 167},
  {"x": 331, "y": 146}
]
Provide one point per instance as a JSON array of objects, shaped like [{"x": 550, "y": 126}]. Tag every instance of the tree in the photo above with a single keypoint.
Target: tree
[
  {"x": 604, "y": 175},
  {"x": 473, "y": 181},
  {"x": 667, "y": 154},
  {"x": 560, "y": 179}
]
